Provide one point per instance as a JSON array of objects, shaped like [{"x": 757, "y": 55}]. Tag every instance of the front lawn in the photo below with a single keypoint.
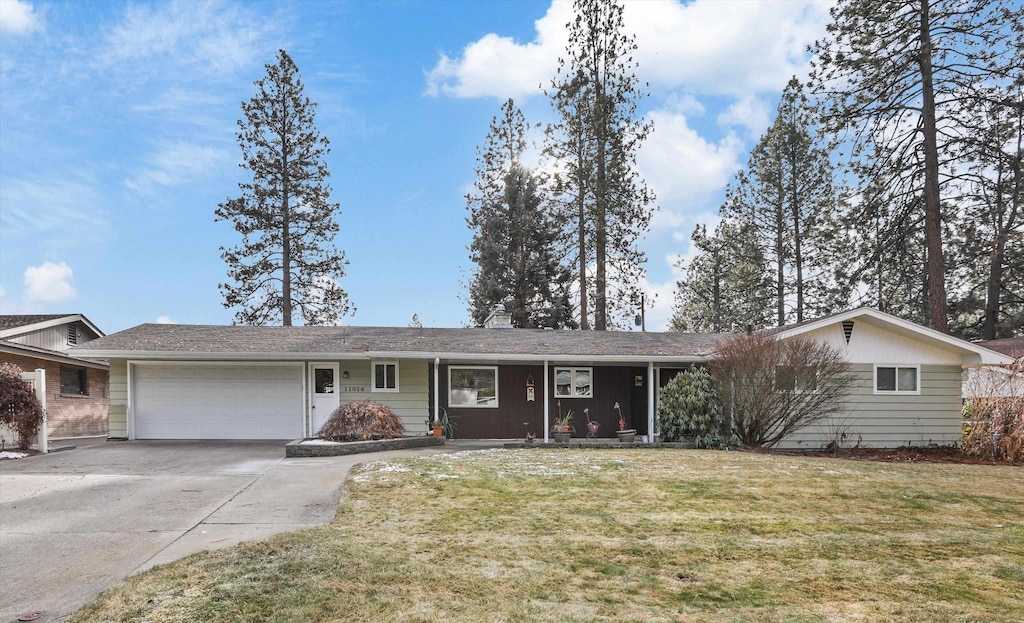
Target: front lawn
[{"x": 637, "y": 535}]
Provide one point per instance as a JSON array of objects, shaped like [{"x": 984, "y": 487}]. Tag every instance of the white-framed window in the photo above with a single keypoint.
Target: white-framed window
[
  {"x": 473, "y": 386},
  {"x": 796, "y": 378},
  {"x": 897, "y": 379},
  {"x": 574, "y": 382},
  {"x": 385, "y": 376}
]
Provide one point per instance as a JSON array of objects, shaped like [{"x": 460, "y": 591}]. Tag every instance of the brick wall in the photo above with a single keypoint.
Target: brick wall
[{"x": 70, "y": 416}]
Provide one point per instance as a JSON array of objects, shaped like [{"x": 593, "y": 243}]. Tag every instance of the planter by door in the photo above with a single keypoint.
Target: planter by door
[{"x": 627, "y": 436}]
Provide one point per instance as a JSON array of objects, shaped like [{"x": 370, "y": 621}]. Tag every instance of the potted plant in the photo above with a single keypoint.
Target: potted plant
[
  {"x": 626, "y": 435},
  {"x": 593, "y": 426},
  {"x": 561, "y": 429},
  {"x": 447, "y": 425},
  {"x": 437, "y": 428}
]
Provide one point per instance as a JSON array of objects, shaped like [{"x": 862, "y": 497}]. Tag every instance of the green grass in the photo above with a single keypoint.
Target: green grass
[{"x": 649, "y": 535}]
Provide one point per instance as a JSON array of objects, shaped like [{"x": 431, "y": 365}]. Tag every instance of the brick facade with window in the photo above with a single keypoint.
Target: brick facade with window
[{"x": 70, "y": 415}]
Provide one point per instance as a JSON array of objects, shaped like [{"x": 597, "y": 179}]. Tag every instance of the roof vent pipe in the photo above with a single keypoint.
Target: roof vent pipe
[{"x": 547, "y": 332}]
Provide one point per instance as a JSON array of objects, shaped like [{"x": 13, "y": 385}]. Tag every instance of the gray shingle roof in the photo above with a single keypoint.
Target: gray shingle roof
[
  {"x": 208, "y": 339},
  {"x": 9, "y": 321},
  {"x": 1012, "y": 346}
]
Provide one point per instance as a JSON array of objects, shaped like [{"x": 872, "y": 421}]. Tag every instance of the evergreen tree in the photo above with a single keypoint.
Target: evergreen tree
[
  {"x": 595, "y": 141},
  {"x": 286, "y": 258},
  {"x": 516, "y": 237},
  {"x": 786, "y": 194},
  {"x": 892, "y": 75},
  {"x": 726, "y": 285},
  {"x": 990, "y": 235}
]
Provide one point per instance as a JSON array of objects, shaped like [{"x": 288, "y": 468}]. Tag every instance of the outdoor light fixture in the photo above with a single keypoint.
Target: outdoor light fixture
[{"x": 344, "y": 374}]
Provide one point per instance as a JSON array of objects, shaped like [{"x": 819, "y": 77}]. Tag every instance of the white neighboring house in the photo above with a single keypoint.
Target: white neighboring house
[{"x": 997, "y": 382}]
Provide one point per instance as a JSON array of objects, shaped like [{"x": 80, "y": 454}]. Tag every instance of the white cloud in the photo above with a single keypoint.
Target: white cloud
[
  {"x": 720, "y": 47},
  {"x": 49, "y": 283},
  {"x": 177, "y": 164},
  {"x": 64, "y": 212},
  {"x": 750, "y": 113},
  {"x": 18, "y": 17},
  {"x": 210, "y": 37},
  {"x": 684, "y": 169},
  {"x": 164, "y": 320}
]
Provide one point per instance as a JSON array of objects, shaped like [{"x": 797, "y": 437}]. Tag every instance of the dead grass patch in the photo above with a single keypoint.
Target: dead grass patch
[{"x": 651, "y": 535}]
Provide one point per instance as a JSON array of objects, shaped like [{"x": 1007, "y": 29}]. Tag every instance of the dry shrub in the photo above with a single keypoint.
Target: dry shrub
[
  {"x": 774, "y": 387},
  {"x": 362, "y": 421},
  {"x": 994, "y": 415},
  {"x": 19, "y": 407}
]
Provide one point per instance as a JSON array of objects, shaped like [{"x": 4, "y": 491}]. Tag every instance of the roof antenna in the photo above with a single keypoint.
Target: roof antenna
[{"x": 344, "y": 340}]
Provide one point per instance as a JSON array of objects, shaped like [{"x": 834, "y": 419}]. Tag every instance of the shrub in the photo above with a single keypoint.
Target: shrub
[
  {"x": 689, "y": 408},
  {"x": 19, "y": 407},
  {"x": 994, "y": 417},
  {"x": 362, "y": 421},
  {"x": 774, "y": 387}
]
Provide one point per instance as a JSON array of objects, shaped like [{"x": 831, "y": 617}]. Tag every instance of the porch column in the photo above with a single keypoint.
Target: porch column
[
  {"x": 650, "y": 401},
  {"x": 546, "y": 394},
  {"x": 437, "y": 370}
]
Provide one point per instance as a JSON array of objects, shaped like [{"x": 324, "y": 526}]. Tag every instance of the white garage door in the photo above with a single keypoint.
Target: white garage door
[{"x": 217, "y": 402}]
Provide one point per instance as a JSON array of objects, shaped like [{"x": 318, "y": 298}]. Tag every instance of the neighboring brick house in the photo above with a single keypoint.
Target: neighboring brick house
[{"x": 77, "y": 389}]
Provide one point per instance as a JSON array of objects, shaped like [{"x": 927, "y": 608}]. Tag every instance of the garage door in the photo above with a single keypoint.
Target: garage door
[{"x": 217, "y": 402}]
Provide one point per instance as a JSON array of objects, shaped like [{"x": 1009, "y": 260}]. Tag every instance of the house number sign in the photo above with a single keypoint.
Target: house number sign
[{"x": 353, "y": 389}]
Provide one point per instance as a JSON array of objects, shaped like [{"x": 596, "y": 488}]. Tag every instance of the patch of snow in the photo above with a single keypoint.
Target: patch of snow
[
  {"x": 12, "y": 455},
  {"x": 319, "y": 442}
]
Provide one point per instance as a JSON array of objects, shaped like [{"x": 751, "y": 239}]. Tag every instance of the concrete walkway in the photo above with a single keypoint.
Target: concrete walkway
[{"x": 73, "y": 523}]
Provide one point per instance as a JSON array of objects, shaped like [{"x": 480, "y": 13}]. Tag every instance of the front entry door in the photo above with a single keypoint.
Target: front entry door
[{"x": 324, "y": 378}]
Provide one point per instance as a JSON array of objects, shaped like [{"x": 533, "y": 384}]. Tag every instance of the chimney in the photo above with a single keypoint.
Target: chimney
[{"x": 498, "y": 318}]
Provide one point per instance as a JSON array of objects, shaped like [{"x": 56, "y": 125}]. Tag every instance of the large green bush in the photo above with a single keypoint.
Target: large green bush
[
  {"x": 689, "y": 409},
  {"x": 19, "y": 407}
]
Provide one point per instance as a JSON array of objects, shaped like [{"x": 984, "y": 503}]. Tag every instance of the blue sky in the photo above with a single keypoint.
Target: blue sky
[{"x": 117, "y": 137}]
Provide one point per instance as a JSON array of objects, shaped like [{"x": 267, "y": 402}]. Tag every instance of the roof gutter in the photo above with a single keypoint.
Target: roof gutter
[{"x": 263, "y": 356}]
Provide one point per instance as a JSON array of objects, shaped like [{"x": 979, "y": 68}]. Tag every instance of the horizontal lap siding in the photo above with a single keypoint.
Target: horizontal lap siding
[
  {"x": 880, "y": 420},
  {"x": 410, "y": 403},
  {"x": 117, "y": 411}
]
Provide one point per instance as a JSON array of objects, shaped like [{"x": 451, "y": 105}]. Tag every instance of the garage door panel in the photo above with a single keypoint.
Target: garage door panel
[{"x": 217, "y": 402}]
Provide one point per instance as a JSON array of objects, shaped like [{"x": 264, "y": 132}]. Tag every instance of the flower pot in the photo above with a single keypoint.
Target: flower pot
[
  {"x": 561, "y": 436},
  {"x": 438, "y": 431},
  {"x": 627, "y": 436}
]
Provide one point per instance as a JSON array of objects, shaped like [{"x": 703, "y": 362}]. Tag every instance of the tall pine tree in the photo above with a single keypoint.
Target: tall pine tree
[
  {"x": 892, "y": 76},
  {"x": 516, "y": 237},
  {"x": 286, "y": 259},
  {"x": 726, "y": 287},
  {"x": 786, "y": 195},
  {"x": 595, "y": 142}
]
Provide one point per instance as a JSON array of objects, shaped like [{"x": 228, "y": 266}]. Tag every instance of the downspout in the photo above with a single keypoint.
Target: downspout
[
  {"x": 650, "y": 402},
  {"x": 546, "y": 406},
  {"x": 437, "y": 398}
]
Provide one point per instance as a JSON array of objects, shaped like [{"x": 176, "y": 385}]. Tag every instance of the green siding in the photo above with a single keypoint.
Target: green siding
[
  {"x": 880, "y": 420},
  {"x": 117, "y": 411},
  {"x": 410, "y": 403}
]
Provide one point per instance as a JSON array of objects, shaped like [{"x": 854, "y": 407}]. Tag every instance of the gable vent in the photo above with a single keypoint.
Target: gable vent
[
  {"x": 72, "y": 335},
  {"x": 847, "y": 330}
]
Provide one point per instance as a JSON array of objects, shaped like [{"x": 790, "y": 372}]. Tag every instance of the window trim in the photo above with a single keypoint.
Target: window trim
[
  {"x": 373, "y": 376},
  {"x": 796, "y": 377},
  {"x": 572, "y": 374},
  {"x": 897, "y": 391},
  {"x": 497, "y": 396},
  {"x": 84, "y": 381}
]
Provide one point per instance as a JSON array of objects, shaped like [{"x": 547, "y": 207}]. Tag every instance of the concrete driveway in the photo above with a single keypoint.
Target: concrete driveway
[{"x": 73, "y": 523}]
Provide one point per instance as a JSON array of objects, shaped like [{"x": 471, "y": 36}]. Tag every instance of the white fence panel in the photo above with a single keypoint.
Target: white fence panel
[{"x": 37, "y": 380}]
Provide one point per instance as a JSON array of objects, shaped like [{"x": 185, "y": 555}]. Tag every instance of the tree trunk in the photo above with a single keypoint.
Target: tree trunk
[
  {"x": 286, "y": 238},
  {"x": 936, "y": 293},
  {"x": 780, "y": 272},
  {"x": 600, "y": 204},
  {"x": 797, "y": 236},
  {"x": 581, "y": 201}
]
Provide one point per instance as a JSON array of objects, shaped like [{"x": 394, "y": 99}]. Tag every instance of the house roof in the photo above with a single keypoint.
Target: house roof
[
  {"x": 1012, "y": 346},
  {"x": 35, "y": 352},
  {"x": 981, "y": 354},
  {"x": 11, "y": 325},
  {"x": 242, "y": 342}
]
